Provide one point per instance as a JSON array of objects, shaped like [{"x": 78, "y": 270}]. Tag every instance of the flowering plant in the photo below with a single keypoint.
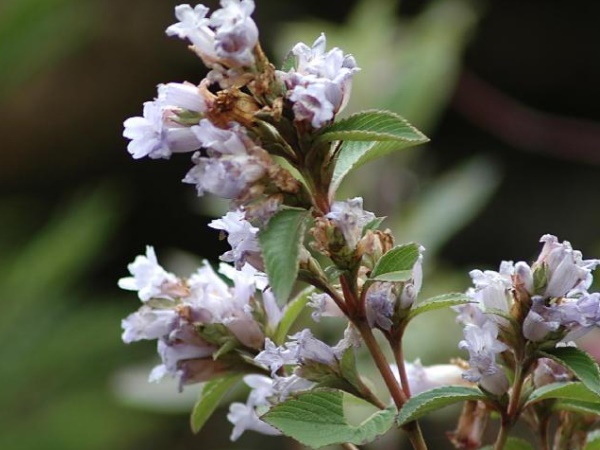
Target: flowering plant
[{"x": 271, "y": 142}]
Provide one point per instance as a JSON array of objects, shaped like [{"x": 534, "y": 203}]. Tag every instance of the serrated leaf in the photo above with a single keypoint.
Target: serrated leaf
[
  {"x": 439, "y": 302},
  {"x": 434, "y": 399},
  {"x": 280, "y": 243},
  {"x": 398, "y": 259},
  {"x": 292, "y": 310},
  {"x": 372, "y": 125},
  {"x": 395, "y": 277},
  {"x": 353, "y": 154},
  {"x": 512, "y": 443},
  {"x": 578, "y": 407},
  {"x": 316, "y": 418},
  {"x": 210, "y": 397},
  {"x": 568, "y": 391},
  {"x": 580, "y": 363}
]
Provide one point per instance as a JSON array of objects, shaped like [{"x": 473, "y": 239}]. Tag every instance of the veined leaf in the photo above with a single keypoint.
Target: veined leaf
[
  {"x": 435, "y": 399},
  {"x": 210, "y": 397},
  {"x": 580, "y": 363},
  {"x": 316, "y": 418},
  {"x": 373, "y": 125},
  {"x": 439, "y": 302},
  {"x": 565, "y": 391},
  {"x": 398, "y": 259},
  {"x": 280, "y": 243},
  {"x": 578, "y": 407}
]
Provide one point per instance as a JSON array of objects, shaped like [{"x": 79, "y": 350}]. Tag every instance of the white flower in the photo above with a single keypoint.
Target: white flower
[
  {"x": 150, "y": 279},
  {"x": 275, "y": 357},
  {"x": 236, "y": 34},
  {"x": 193, "y": 26},
  {"x": 225, "y": 177},
  {"x": 232, "y": 141},
  {"x": 241, "y": 236},
  {"x": 182, "y": 95},
  {"x": 244, "y": 417},
  {"x": 379, "y": 305},
  {"x": 483, "y": 346},
  {"x": 492, "y": 289},
  {"x": 148, "y": 323},
  {"x": 320, "y": 83},
  {"x": 324, "y": 306},
  {"x": 566, "y": 269},
  {"x": 284, "y": 386},
  {"x": 350, "y": 218},
  {"x": 155, "y": 136}
]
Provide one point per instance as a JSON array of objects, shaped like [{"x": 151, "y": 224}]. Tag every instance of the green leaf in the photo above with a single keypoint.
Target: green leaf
[
  {"x": 353, "y": 154},
  {"x": 373, "y": 224},
  {"x": 580, "y": 407},
  {"x": 435, "y": 399},
  {"x": 373, "y": 125},
  {"x": 568, "y": 391},
  {"x": 398, "y": 259},
  {"x": 512, "y": 443},
  {"x": 395, "y": 277},
  {"x": 292, "y": 310},
  {"x": 316, "y": 418},
  {"x": 580, "y": 363},
  {"x": 210, "y": 397},
  {"x": 280, "y": 242},
  {"x": 289, "y": 62},
  {"x": 439, "y": 302}
]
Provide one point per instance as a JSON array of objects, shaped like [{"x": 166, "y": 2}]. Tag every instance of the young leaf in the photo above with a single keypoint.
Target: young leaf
[
  {"x": 578, "y": 407},
  {"x": 580, "y": 363},
  {"x": 316, "y": 418},
  {"x": 512, "y": 443},
  {"x": 567, "y": 391},
  {"x": 439, "y": 302},
  {"x": 280, "y": 244},
  {"x": 435, "y": 399},
  {"x": 210, "y": 397},
  {"x": 395, "y": 277},
  {"x": 397, "y": 259},
  {"x": 373, "y": 125},
  {"x": 291, "y": 313},
  {"x": 373, "y": 224},
  {"x": 353, "y": 154}
]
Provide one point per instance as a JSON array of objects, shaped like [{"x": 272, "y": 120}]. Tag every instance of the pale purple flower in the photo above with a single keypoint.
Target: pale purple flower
[
  {"x": 350, "y": 218},
  {"x": 548, "y": 371},
  {"x": 244, "y": 417},
  {"x": 193, "y": 25},
  {"x": 323, "y": 306},
  {"x": 483, "y": 346},
  {"x": 236, "y": 34},
  {"x": 412, "y": 287},
  {"x": 225, "y": 177},
  {"x": 492, "y": 289},
  {"x": 182, "y": 95},
  {"x": 231, "y": 141},
  {"x": 275, "y": 357},
  {"x": 310, "y": 349},
  {"x": 379, "y": 305},
  {"x": 155, "y": 135},
  {"x": 150, "y": 279},
  {"x": 535, "y": 327},
  {"x": 148, "y": 323},
  {"x": 241, "y": 236},
  {"x": 284, "y": 386},
  {"x": 565, "y": 267},
  {"x": 320, "y": 84}
]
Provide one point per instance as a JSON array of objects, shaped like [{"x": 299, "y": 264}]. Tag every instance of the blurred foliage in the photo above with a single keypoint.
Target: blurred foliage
[
  {"x": 36, "y": 34},
  {"x": 59, "y": 340}
]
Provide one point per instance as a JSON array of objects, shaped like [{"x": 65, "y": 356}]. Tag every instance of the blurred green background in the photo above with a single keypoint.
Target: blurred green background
[{"x": 506, "y": 89}]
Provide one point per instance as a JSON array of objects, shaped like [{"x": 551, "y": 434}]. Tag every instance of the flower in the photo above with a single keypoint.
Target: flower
[
  {"x": 379, "y": 305},
  {"x": 350, "y": 218},
  {"x": 150, "y": 279},
  {"x": 319, "y": 86},
  {"x": 483, "y": 346},
  {"x": 241, "y": 236},
  {"x": 565, "y": 268},
  {"x": 182, "y": 95},
  {"x": 148, "y": 323},
  {"x": 323, "y": 306},
  {"x": 155, "y": 136},
  {"x": 236, "y": 34}
]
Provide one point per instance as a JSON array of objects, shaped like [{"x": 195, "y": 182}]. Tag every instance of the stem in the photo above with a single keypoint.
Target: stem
[
  {"x": 349, "y": 446},
  {"x": 544, "y": 431},
  {"x": 512, "y": 413},
  {"x": 502, "y": 436},
  {"x": 396, "y": 343},
  {"x": 412, "y": 429}
]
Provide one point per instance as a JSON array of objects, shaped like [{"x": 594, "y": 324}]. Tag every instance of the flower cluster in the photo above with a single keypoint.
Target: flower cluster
[{"x": 523, "y": 306}]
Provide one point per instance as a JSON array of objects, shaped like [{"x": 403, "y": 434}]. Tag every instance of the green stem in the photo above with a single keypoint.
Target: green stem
[
  {"x": 512, "y": 413},
  {"x": 502, "y": 436}
]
